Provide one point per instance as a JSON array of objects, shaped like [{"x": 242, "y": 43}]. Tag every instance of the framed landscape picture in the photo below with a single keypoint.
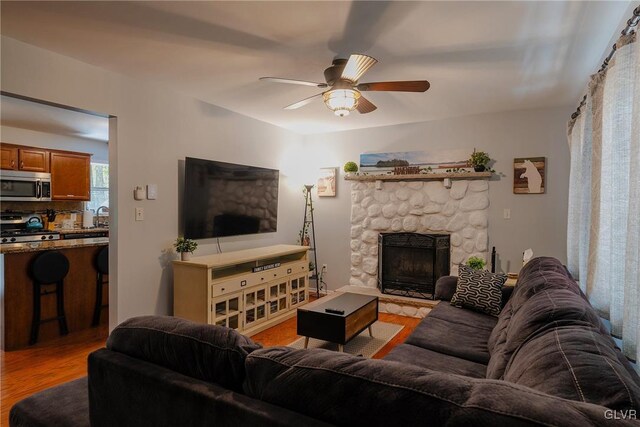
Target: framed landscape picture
[
  {"x": 436, "y": 160},
  {"x": 327, "y": 182},
  {"x": 529, "y": 175}
]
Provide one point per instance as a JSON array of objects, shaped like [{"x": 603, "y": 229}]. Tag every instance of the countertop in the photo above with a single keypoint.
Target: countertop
[
  {"x": 12, "y": 248},
  {"x": 84, "y": 230}
]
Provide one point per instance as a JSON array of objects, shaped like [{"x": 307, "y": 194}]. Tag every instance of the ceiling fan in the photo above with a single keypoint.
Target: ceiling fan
[{"x": 343, "y": 95}]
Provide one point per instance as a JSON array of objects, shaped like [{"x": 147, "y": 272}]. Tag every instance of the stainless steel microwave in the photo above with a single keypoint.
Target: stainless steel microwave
[{"x": 25, "y": 186}]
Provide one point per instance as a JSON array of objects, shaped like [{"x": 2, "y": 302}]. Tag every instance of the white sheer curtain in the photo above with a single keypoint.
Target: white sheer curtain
[
  {"x": 603, "y": 241},
  {"x": 631, "y": 316}
]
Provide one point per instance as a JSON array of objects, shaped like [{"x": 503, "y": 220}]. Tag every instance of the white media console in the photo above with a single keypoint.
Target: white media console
[{"x": 249, "y": 290}]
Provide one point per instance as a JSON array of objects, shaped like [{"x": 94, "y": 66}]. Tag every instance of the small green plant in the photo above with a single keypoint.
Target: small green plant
[
  {"x": 350, "y": 167},
  {"x": 185, "y": 245},
  {"x": 476, "y": 263},
  {"x": 479, "y": 161}
]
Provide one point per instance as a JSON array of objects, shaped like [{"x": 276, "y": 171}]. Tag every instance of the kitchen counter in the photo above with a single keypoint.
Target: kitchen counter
[
  {"x": 16, "y": 288},
  {"x": 12, "y": 248},
  {"x": 85, "y": 230}
]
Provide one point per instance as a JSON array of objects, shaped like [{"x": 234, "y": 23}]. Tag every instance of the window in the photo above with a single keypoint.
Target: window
[{"x": 99, "y": 186}]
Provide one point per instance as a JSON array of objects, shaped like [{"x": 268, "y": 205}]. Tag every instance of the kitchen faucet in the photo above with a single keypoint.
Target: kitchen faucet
[{"x": 104, "y": 209}]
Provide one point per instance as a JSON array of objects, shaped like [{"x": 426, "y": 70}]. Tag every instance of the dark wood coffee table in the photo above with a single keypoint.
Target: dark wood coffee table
[{"x": 360, "y": 312}]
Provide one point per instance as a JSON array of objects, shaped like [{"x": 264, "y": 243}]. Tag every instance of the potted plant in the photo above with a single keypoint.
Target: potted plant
[
  {"x": 476, "y": 263},
  {"x": 185, "y": 248},
  {"x": 479, "y": 160},
  {"x": 350, "y": 167}
]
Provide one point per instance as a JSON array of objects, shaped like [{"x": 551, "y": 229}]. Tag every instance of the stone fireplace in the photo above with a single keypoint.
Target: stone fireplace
[
  {"x": 410, "y": 263},
  {"x": 422, "y": 206}
]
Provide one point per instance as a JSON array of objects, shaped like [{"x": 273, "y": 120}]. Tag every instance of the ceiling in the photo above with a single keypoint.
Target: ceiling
[
  {"x": 19, "y": 113},
  {"x": 480, "y": 57}
]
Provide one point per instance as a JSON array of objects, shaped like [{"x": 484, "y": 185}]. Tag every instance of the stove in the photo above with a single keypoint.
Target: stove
[
  {"x": 21, "y": 236},
  {"x": 13, "y": 229}
]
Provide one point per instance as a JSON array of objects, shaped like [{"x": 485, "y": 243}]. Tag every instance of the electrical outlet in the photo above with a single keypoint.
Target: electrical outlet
[
  {"x": 324, "y": 267},
  {"x": 139, "y": 214},
  {"x": 507, "y": 213}
]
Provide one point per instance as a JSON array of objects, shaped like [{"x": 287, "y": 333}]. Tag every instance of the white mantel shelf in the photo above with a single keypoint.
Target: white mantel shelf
[{"x": 420, "y": 176}]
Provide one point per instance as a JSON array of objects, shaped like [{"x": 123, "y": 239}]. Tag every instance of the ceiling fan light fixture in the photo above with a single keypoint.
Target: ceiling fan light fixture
[
  {"x": 341, "y": 101},
  {"x": 356, "y": 66}
]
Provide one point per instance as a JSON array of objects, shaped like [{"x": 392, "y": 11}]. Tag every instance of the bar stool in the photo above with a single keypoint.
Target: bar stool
[
  {"x": 102, "y": 265},
  {"x": 49, "y": 268}
]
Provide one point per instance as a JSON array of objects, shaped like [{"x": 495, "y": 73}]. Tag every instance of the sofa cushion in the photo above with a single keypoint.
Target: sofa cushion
[
  {"x": 548, "y": 308},
  {"x": 540, "y": 274},
  {"x": 499, "y": 333},
  {"x": 577, "y": 363},
  {"x": 424, "y": 358},
  {"x": 446, "y": 287},
  {"x": 464, "y": 317},
  {"x": 542, "y": 265},
  {"x": 479, "y": 290},
  {"x": 454, "y": 338},
  {"x": 346, "y": 390},
  {"x": 207, "y": 352},
  {"x": 125, "y": 391},
  {"x": 66, "y": 405}
]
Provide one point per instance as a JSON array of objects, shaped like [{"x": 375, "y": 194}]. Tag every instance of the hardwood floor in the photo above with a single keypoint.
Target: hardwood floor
[{"x": 27, "y": 371}]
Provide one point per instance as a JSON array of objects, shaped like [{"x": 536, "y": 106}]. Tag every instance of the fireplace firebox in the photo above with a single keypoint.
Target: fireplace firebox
[{"x": 410, "y": 263}]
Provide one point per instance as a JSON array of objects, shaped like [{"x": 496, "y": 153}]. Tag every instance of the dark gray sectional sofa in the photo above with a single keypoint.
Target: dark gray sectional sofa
[{"x": 546, "y": 360}]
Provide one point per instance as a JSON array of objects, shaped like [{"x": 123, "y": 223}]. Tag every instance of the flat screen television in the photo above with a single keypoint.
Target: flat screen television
[{"x": 226, "y": 199}]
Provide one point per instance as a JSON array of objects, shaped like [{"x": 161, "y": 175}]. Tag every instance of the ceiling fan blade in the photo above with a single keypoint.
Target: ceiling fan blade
[
  {"x": 407, "y": 86},
  {"x": 293, "y": 81},
  {"x": 302, "y": 103},
  {"x": 356, "y": 66},
  {"x": 365, "y": 106}
]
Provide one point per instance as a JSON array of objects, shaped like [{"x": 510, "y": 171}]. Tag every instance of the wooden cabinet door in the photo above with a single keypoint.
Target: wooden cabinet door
[
  {"x": 9, "y": 157},
  {"x": 70, "y": 176},
  {"x": 33, "y": 160}
]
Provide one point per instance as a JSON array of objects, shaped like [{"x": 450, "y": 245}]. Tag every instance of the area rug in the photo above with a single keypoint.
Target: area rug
[{"x": 361, "y": 345}]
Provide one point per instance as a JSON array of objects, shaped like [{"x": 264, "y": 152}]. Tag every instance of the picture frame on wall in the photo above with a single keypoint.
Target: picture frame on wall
[
  {"x": 529, "y": 175},
  {"x": 327, "y": 182}
]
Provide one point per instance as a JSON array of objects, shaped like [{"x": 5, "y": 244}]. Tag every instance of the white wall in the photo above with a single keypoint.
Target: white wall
[
  {"x": 156, "y": 128},
  {"x": 537, "y": 221},
  {"x": 99, "y": 149}
]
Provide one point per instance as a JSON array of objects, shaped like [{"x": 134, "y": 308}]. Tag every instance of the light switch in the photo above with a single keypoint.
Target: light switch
[
  {"x": 139, "y": 214},
  {"x": 507, "y": 213},
  {"x": 152, "y": 191}
]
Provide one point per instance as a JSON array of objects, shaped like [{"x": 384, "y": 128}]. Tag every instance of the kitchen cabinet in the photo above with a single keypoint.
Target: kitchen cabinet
[
  {"x": 70, "y": 176},
  {"x": 9, "y": 157},
  {"x": 30, "y": 159},
  {"x": 33, "y": 160}
]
